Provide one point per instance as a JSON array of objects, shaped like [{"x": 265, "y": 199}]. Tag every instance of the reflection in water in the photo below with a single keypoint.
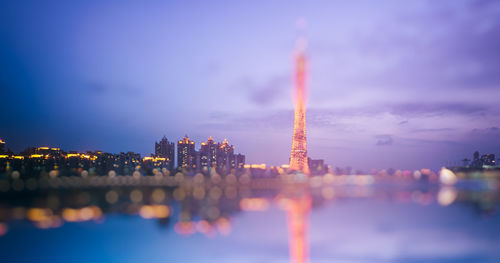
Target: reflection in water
[
  {"x": 206, "y": 204},
  {"x": 297, "y": 216}
]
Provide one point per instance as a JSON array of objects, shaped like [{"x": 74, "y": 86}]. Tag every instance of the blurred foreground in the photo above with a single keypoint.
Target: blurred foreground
[{"x": 323, "y": 218}]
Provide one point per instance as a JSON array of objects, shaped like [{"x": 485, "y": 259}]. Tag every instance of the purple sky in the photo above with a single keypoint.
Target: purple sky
[{"x": 403, "y": 84}]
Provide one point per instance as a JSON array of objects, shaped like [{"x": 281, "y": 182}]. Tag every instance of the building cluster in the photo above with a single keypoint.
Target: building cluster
[
  {"x": 211, "y": 155},
  {"x": 480, "y": 161},
  {"x": 219, "y": 156}
]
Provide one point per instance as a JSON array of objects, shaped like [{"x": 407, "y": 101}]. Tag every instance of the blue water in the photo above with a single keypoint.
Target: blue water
[{"x": 358, "y": 230}]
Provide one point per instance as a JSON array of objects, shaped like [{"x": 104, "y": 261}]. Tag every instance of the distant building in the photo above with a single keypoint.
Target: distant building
[
  {"x": 488, "y": 159},
  {"x": 2, "y": 146},
  {"x": 52, "y": 152},
  {"x": 225, "y": 153},
  {"x": 166, "y": 149},
  {"x": 208, "y": 153},
  {"x": 476, "y": 162},
  {"x": 317, "y": 166},
  {"x": 239, "y": 161},
  {"x": 186, "y": 154},
  {"x": 480, "y": 161},
  {"x": 219, "y": 156}
]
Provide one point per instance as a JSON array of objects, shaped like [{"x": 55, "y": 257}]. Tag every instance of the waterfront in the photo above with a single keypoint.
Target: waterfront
[{"x": 352, "y": 219}]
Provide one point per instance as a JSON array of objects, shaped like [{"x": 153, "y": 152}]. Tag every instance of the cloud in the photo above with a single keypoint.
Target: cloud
[
  {"x": 486, "y": 131},
  {"x": 384, "y": 140},
  {"x": 267, "y": 92},
  {"x": 427, "y": 130},
  {"x": 437, "y": 108},
  {"x": 403, "y": 122}
]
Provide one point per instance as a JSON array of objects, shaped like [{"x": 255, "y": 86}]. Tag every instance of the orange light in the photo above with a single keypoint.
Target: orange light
[
  {"x": 298, "y": 211},
  {"x": 254, "y": 204}
]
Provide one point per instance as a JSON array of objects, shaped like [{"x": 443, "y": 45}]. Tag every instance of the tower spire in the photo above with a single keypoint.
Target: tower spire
[{"x": 298, "y": 158}]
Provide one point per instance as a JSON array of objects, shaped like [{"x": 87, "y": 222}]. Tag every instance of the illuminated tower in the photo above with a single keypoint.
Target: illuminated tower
[{"x": 298, "y": 158}]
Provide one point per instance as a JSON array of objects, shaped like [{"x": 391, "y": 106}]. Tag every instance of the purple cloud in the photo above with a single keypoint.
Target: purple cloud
[
  {"x": 384, "y": 140},
  {"x": 267, "y": 92}
]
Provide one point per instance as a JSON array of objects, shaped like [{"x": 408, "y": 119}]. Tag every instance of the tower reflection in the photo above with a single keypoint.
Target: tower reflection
[{"x": 298, "y": 225}]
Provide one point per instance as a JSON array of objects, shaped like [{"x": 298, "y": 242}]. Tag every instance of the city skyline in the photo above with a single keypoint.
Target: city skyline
[
  {"x": 250, "y": 131},
  {"x": 391, "y": 84}
]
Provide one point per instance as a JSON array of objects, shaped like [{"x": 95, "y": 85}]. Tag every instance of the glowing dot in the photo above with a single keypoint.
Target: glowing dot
[
  {"x": 53, "y": 173},
  {"x": 447, "y": 196},
  {"x": 215, "y": 193},
  {"x": 224, "y": 226},
  {"x": 213, "y": 212},
  {"x": 70, "y": 215},
  {"x": 15, "y": 175},
  {"x": 417, "y": 175},
  {"x": 161, "y": 211},
  {"x": 231, "y": 179},
  {"x": 86, "y": 213},
  {"x": 3, "y": 229},
  {"x": 198, "y": 178},
  {"x": 245, "y": 179},
  {"x": 111, "y": 197},
  {"x": 199, "y": 193},
  {"x": 146, "y": 212},
  {"x": 215, "y": 178},
  {"x": 158, "y": 195},
  {"x": 111, "y": 173},
  {"x": 179, "y": 194},
  {"x": 328, "y": 178},
  {"x": 179, "y": 177},
  {"x": 328, "y": 193},
  {"x": 447, "y": 177},
  {"x": 230, "y": 192},
  {"x": 136, "y": 196}
]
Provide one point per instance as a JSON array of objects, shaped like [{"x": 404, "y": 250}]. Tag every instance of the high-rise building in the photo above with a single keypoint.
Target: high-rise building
[
  {"x": 166, "y": 149},
  {"x": 225, "y": 153},
  {"x": 2, "y": 146},
  {"x": 239, "y": 161},
  {"x": 476, "y": 162},
  {"x": 208, "y": 153},
  {"x": 186, "y": 154}
]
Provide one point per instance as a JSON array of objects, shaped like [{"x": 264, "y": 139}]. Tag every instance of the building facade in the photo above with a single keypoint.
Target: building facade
[
  {"x": 166, "y": 149},
  {"x": 186, "y": 154},
  {"x": 208, "y": 153}
]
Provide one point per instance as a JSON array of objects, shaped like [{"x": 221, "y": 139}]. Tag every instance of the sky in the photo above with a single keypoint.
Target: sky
[{"x": 401, "y": 84}]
